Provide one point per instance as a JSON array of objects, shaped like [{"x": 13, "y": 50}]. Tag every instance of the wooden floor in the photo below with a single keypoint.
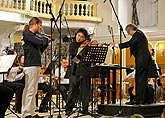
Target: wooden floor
[
  {"x": 148, "y": 110},
  {"x": 46, "y": 115},
  {"x": 105, "y": 111}
]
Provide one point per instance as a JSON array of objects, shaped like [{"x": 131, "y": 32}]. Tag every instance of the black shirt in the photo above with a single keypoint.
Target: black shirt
[
  {"x": 82, "y": 68},
  {"x": 139, "y": 48},
  {"x": 33, "y": 47}
]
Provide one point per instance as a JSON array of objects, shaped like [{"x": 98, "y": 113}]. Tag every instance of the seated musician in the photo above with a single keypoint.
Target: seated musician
[
  {"x": 21, "y": 64},
  {"x": 64, "y": 81},
  {"x": 6, "y": 94},
  {"x": 44, "y": 85},
  {"x": 151, "y": 88},
  {"x": 12, "y": 81}
]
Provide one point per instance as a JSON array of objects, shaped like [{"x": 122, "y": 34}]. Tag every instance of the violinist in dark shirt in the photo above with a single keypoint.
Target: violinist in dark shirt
[
  {"x": 33, "y": 47},
  {"x": 80, "y": 74}
]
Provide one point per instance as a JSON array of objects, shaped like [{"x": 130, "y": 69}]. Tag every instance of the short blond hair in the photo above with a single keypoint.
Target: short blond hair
[{"x": 136, "y": 116}]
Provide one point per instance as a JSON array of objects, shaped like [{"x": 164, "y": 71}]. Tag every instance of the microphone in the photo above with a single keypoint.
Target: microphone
[
  {"x": 112, "y": 30},
  {"x": 109, "y": 29}
]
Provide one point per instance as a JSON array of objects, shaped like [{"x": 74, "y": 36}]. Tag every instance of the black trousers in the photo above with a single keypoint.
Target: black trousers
[
  {"x": 46, "y": 88},
  {"x": 141, "y": 84},
  {"x": 6, "y": 95},
  {"x": 150, "y": 97},
  {"x": 79, "y": 86},
  {"x": 64, "y": 88},
  {"x": 18, "y": 90}
]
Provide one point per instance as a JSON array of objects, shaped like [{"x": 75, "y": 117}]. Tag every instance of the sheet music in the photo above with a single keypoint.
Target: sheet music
[
  {"x": 109, "y": 56},
  {"x": 64, "y": 81},
  {"x": 6, "y": 62}
]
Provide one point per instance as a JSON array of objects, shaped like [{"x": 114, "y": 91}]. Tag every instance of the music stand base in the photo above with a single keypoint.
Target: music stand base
[
  {"x": 120, "y": 114},
  {"x": 59, "y": 116},
  {"x": 56, "y": 106},
  {"x": 51, "y": 116},
  {"x": 12, "y": 112}
]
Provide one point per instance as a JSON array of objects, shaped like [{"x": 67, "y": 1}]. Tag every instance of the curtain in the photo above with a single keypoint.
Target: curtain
[{"x": 135, "y": 19}]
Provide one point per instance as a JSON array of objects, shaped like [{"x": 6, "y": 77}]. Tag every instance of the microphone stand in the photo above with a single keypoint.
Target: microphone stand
[
  {"x": 59, "y": 55},
  {"x": 51, "y": 46},
  {"x": 121, "y": 33},
  {"x": 70, "y": 39},
  {"x": 113, "y": 48}
]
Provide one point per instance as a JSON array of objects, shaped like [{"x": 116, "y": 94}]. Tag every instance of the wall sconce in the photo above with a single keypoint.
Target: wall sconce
[{"x": 160, "y": 49}]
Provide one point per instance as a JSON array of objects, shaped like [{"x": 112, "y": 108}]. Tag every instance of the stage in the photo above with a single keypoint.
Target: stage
[{"x": 149, "y": 110}]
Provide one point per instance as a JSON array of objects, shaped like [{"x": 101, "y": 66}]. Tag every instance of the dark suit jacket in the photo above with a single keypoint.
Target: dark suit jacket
[
  {"x": 82, "y": 68},
  {"x": 33, "y": 47},
  {"x": 139, "y": 49}
]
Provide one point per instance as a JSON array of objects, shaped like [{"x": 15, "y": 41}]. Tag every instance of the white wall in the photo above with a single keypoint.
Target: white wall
[
  {"x": 105, "y": 11},
  {"x": 161, "y": 16},
  {"x": 124, "y": 12}
]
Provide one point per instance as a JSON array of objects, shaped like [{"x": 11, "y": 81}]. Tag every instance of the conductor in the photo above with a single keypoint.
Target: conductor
[{"x": 138, "y": 45}]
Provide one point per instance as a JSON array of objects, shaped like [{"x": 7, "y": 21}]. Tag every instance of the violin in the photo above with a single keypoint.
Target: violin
[
  {"x": 92, "y": 43},
  {"x": 42, "y": 69},
  {"x": 65, "y": 69},
  {"x": 84, "y": 43},
  {"x": 45, "y": 36}
]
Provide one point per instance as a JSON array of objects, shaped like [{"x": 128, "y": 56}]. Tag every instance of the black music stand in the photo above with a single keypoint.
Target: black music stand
[
  {"x": 49, "y": 70},
  {"x": 92, "y": 54},
  {"x": 51, "y": 66},
  {"x": 6, "y": 62},
  {"x": 95, "y": 54}
]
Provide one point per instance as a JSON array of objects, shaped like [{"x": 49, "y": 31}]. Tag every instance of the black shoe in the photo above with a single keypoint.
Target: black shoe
[
  {"x": 29, "y": 116},
  {"x": 128, "y": 103},
  {"x": 68, "y": 113},
  {"x": 43, "y": 109},
  {"x": 13, "y": 107},
  {"x": 85, "y": 112},
  {"x": 37, "y": 116},
  {"x": 19, "y": 111},
  {"x": 133, "y": 102}
]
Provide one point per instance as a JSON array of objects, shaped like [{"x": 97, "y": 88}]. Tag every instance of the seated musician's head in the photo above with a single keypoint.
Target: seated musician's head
[
  {"x": 136, "y": 116},
  {"x": 131, "y": 29},
  {"x": 64, "y": 62},
  {"x": 81, "y": 35},
  {"x": 21, "y": 59}
]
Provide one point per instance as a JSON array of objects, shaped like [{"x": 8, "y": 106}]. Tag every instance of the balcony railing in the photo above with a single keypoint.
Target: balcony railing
[{"x": 72, "y": 10}]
